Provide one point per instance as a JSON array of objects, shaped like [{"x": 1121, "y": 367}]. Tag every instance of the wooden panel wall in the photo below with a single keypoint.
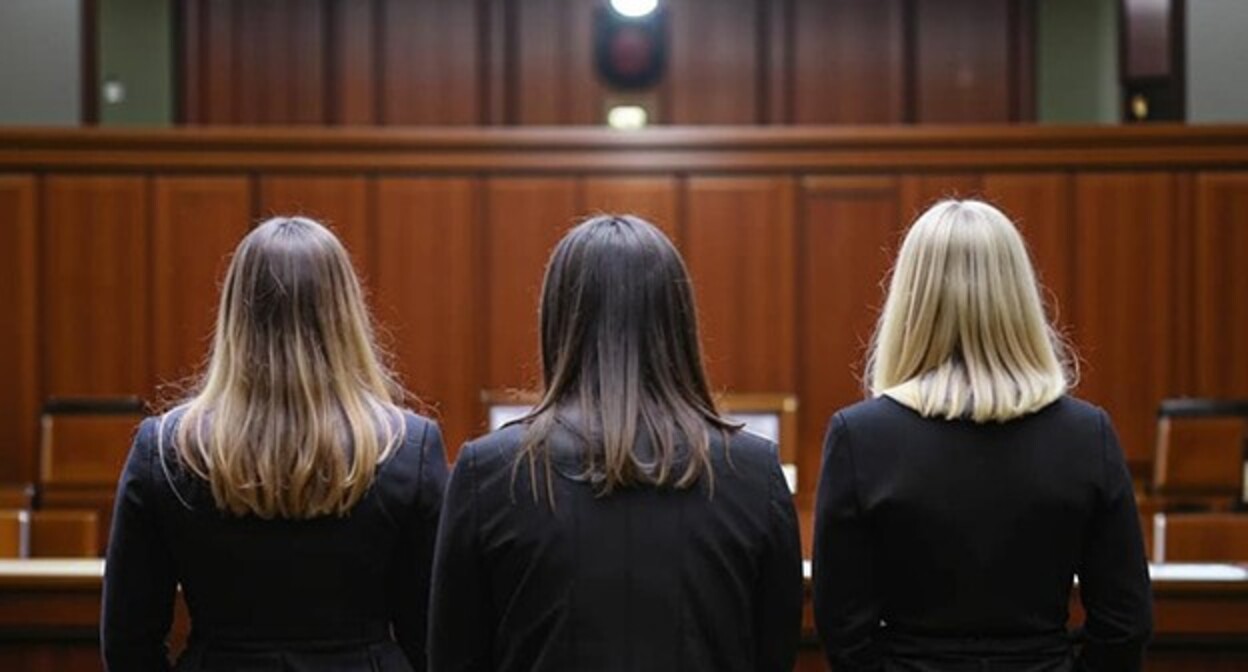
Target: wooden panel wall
[
  {"x": 429, "y": 290},
  {"x": 1129, "y": 292},
  {"x": 94, "y": 292},
  {"x": 19, "y": 332},
  {"x": 849, "y": 232},
  {"x": 1220, "y": 291},
  {"x": 740, "y": 244},
  {"x": 112, "y": 257},
  {"x": 470, "y": 62},
  {"x": 197, "y": 221}
]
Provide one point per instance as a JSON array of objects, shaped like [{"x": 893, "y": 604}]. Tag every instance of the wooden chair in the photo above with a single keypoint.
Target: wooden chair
[
  {"x": 14, "y": 533},
  {"x": 1199, "y": 462},
  {"x": 84, "y": 444},
  {"x": 17, "y": 495},
  {"x": 1200, "y": 537},
  {"x": 64, "y": 534}
]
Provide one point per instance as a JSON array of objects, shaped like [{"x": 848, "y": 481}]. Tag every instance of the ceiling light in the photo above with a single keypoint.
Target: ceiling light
[
  {"x": 627, "y": 117},
  {"x": 634, "y": 9}
]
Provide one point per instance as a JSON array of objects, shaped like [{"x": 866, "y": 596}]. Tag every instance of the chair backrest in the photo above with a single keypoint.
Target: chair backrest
[
  {"x": 1200, "y": 452},
  {"x": 64, "y": 534},
  {"x": 84, "y": 442},
  {"x": 14, "y": 533},
  {"x": 17, "y": 495},
  {"x": 1200, "y": 537},
  {"x": 83, "y": 448}
]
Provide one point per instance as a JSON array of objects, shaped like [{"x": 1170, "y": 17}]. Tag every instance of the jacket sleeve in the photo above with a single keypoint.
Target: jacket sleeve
[
  {"x": 462, "y": 622},
  {"x": 414, "y": 551},
  {"x": 778, "y": 599},
  {"x": 847, "y": 603},
  {"x": 1113, "y": 573},
  {"x": 139, "y": 577}
]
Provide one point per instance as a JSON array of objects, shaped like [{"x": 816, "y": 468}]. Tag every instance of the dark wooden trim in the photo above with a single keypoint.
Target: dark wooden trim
[
  {"x": 510, "y": 63},
  {"x": 89, "y": 21},
  {"x": 184, "y": 23},
  {"x": 379, "y": 62},
  {"x": 774, "y": 149},
  {"x": 331, "y": 70},
  {"x": 1178, "y": 56},
  {"x": 1022, "y": 66},
  {"x": 763, "y": 114},
  {"x": 910, "y": 61}
]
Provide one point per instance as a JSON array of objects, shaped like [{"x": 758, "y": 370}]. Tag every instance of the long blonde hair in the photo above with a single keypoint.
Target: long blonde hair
[
  {"x": 295, "y": 409},
  {"x": 963, "y": 333}
]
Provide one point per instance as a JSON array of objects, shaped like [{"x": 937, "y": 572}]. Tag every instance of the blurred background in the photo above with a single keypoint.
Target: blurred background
[{"x": 784, "y": 146}]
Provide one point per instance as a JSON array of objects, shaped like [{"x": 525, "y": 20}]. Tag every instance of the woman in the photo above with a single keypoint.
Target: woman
[
  {"x": 957, "y": 503},
  {"x": 292, "y": 498},
  {"x": 623, "y": 524}
]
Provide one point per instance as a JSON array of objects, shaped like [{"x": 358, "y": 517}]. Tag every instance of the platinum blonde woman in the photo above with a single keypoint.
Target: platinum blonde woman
[
  {"x": 291, "y": 496},
  {"x": 958, "y": 502}
]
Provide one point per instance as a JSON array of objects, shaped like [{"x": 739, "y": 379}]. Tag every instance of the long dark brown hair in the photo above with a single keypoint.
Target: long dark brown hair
[{"x": 621, "y": 361}]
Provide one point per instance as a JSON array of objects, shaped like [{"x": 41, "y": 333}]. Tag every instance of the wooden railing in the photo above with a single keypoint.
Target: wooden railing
[{"x": 112, "y": 243}]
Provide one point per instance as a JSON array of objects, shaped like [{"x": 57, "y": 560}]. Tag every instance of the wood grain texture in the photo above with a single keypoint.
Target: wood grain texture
[
  {"x": 849, "y": 234},
  {"x": 848, "y": 62},
  {"x": 94, "y": 286},
  {"x": 915, "y": 150},
  {"x": 281, "y": 52},
  {"x": 525, "y": 217},
  {"x": 429, "y": 291},
  {"x": 962, "y": 61},
  {"x": 489, "y": 62},
  {"x": 1039, "y": 204},
  {"x": 217, "y": 63},
  {"x": 430, "y": 62},
  {"x": 352, "y": 84},
  {"x": 19, "y": 332},
  {"x": 555, "y": 81},
  {"x": 655, "y": 199},
  {"x": 1125, "y": 272},
  {"x": 340, "y": 202},
  {"x": 713, "y": 75},
  {"x": 197, "y": 222},
  {"x": 1221, "y": 285},
  {"x": 740, "y": 245},
  {"x": 920, "y": 192}
]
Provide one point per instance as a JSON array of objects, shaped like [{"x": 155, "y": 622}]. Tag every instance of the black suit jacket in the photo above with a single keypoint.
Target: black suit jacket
[
  {"x": 949, "y": 545},
  {"x": 642, "y": 579},
  {"x": 333, "y": 593}
]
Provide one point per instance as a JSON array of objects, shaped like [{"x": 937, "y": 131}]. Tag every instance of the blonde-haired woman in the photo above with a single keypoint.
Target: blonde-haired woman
[
  {"x": 291, "y": 497},
  {"x": 958, "y": 502}
]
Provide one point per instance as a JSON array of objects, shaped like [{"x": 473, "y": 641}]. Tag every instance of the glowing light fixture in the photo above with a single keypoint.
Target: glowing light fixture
[
  {"x": 634, "y": 9},
  {"x": 627, "y": 117}
]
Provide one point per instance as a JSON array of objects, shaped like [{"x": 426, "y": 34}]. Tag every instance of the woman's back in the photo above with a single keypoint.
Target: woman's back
[
  {"x": 643, "y": 579},
  {"x": 321, "y": 593},
  {"x": 974, "y": 531}
]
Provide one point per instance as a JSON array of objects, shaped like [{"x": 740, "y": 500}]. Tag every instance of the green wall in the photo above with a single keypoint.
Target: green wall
[
  {"x": 135, "y": 38},
  {"x": 1077, "y": 61}
]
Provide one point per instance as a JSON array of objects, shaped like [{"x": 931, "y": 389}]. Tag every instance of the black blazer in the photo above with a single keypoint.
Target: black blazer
[
  {"x": 642, "y": 579},
  {"x": 949, "y": 545},
  {"x": 346, "y": 594}
]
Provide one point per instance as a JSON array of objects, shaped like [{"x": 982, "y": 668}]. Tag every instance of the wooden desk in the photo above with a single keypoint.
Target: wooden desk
[
  {"x": 49, "y": 620},
  {"x": 1201, "y": 623}
]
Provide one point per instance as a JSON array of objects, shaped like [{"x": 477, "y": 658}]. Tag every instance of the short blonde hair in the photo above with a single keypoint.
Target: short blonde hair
[{"x": 963, "y": 333}]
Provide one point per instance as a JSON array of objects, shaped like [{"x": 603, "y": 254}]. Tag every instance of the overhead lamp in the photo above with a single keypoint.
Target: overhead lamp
[
  {"x": 627, "y": 117},
  {"x": 634, "y": 9}
]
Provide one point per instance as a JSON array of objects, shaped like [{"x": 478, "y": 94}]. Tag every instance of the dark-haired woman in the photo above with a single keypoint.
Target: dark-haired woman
[
  {"x": 623, "y": 524},
  {"x": 291, "y": 497}
]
